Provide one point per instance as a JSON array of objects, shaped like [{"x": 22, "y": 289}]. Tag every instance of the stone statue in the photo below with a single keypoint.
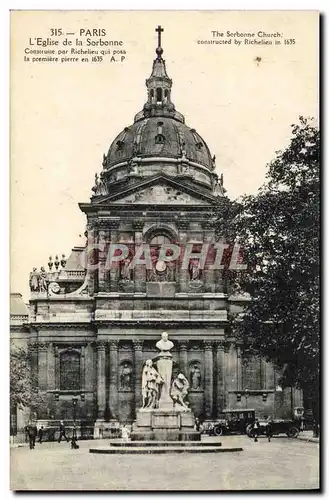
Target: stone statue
[
  {"x": 179, "y": 390},
  {"x": 126, "y": 377},
  {"x": 34, "y": 280},
  {"x": 42, "y": 280},
  {"x": 195, "y": 377},
  {"x": 125, "y": 270},
  {"x": 151, "y": 382},
  {"x": 133, "y": 164},
  {"x": 194, "y": 271},
  {"x": 164, "y": 366},
  {"x": 164, "y": 344}
]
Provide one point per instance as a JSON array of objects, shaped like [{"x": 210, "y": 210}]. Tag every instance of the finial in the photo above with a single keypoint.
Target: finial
[
  {"x": 159, "y": 49},
  {"x": 56, "y": 262},
  {"x": 50, "y": 263}
]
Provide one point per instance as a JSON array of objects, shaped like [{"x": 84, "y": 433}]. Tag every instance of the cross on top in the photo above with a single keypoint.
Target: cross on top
[{"x": 159, "y": 30}]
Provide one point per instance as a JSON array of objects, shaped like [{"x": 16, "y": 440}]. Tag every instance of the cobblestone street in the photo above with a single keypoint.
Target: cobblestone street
[{"x": 281, "y": 464}]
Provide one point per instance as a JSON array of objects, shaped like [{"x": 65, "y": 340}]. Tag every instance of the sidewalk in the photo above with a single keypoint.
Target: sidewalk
[{"x": 308, "y": 436}]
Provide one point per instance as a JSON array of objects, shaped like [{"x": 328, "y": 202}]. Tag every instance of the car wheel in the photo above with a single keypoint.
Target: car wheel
[
  {"x": 218, "y": 431},
  {"x": 293, "y": 432}
]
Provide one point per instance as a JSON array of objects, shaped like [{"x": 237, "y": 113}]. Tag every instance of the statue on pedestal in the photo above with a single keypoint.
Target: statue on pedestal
[
  {"x": 151, "y": 382},
  {"x": 164, "y": 345},
  {"x": 179, "y": 391},
  {"x": 34, "y": 280}
]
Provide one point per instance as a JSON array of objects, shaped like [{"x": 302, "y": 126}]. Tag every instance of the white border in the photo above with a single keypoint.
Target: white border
[{"x": 321, "y": 5}]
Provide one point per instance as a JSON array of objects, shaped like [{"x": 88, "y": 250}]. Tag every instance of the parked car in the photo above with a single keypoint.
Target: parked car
[
  {"x": 231, "y": 421},
  {"x": 289, "y": 427}
]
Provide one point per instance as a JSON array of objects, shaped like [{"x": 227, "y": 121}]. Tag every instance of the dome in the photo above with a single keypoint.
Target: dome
[
  {"x": 158, "y": 142},
  {"x": 159, "y": 136}
]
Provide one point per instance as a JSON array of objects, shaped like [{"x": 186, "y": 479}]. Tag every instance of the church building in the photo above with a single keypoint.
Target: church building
[{"x": 92, "y": 326}]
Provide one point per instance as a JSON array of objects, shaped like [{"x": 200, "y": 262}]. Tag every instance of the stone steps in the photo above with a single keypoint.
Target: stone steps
[
  {"x": 141, "y": 450},
  {"x": 142, "y": 444}
]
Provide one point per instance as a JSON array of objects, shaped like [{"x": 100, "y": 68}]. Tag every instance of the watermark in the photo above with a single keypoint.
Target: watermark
[{"x": 211, "y": 256}]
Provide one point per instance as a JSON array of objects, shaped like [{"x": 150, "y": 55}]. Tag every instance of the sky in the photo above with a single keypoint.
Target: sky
[{"x": 241, "y": 99}]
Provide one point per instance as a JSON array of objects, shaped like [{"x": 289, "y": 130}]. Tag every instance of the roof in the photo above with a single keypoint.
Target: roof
[
  {"x": 75, "y": 259},
  {"x": 17, "y": 305}
]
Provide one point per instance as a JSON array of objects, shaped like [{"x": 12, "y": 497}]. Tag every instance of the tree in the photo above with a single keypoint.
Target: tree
[
  {"x": 23, "y": 387},
  {"x": 278, "y": 229}
]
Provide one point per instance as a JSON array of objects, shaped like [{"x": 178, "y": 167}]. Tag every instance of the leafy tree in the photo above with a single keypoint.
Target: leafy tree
[
  {"x": 278, "y": 229},
  {"x": 23, "y": 387}
]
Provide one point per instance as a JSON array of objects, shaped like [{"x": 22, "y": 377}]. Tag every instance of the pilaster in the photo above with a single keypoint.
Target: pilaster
[
  {"x": 113, "y": 382},
  {"x": 209, "y": 379},
  {"x": 138, "y": 357}
]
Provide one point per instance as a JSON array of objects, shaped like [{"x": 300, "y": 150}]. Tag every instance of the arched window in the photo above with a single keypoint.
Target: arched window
[
  {"x": 69, "y": 371},
  {"x": 159, "y": 95}
]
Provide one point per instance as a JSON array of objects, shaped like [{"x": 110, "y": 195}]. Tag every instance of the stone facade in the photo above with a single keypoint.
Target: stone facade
[{"x": 92, "y": 326}]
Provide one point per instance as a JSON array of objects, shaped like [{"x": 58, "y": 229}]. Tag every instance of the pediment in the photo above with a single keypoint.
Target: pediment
[{"x": 158, "y": 191}]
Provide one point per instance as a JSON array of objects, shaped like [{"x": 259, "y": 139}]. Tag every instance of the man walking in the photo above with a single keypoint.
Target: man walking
[
  {"x": 40, "y": 434},
  {"x": 32, "y": 434},
  {"x": 62, "y": 432},
  {"x": 256, "y": 428},
  {"x": 269, "y": 429}
]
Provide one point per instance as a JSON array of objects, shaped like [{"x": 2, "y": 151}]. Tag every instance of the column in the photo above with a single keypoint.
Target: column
[
  {"x": 114, "y": 267},
  {"x": 238, "y": 368},
  {"x": 209, "y": 274},
  {"x": 113, "y": 384},
  {"x": 220, "y": 286},
  {"x": 220, "y": 377},
  {"x": 182, "y": 273},
  {"x": 100, "y": 346},
  {"x": 183, "y": 357},
  {"x": 102, "y": 256},
  {"x": 91, "y": 257},
  {"x": 89, "y": 361},
  {"x": 138, "y": 355},
  {"x": 42, "y": 365},
  {"x": 51, "y": 376},
  {"x": 140, "y": 269},
  {"x": 33, "y": 348},
  {"x": 209, "y": 379},
  {"x": 82, "y": 369}
]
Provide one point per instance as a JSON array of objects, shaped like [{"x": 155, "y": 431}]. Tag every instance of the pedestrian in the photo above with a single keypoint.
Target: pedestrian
[
  {"x": 32, "y": 433},
  {"x": 125, "y": 433},
  {"x": 62, "y": 432},
  {"x": 74, "y": 445},
  {"x": 40, "y": 434},
  {"x": 269, "y": 429},
  {"x": 197, "y": 424},
  {"x": 26, "y": 431},
  {"x": 256, "y": 428}
]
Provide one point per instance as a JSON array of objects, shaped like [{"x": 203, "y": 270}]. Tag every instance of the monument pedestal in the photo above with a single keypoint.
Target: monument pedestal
[{"x": 164, "y": 425}]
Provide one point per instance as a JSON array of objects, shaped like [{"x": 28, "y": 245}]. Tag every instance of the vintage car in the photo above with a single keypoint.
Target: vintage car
[
  {"x": 279, "y": 426},
  {"x": 231, "y": 421}
]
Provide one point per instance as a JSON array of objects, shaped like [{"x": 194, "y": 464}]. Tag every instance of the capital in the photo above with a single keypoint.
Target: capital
[
  {"x": 138, "y": 225},
  {"x": 100, "y": 345},
  {"x": 183, "y": 345},
  {"x": 138, "y": 345},
  {"x": 114, "y": 344},
  {"x": 43, "y": 346},
  {"x": 208, "y": 345},
  {"x": 113, "y": 224}
]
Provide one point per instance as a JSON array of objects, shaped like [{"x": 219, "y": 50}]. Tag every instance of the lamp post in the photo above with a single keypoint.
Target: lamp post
[
  {"x": 246, "y": 394},
  {"x": 74, "y": 403},
  {"x": 74, "y": 433}
]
